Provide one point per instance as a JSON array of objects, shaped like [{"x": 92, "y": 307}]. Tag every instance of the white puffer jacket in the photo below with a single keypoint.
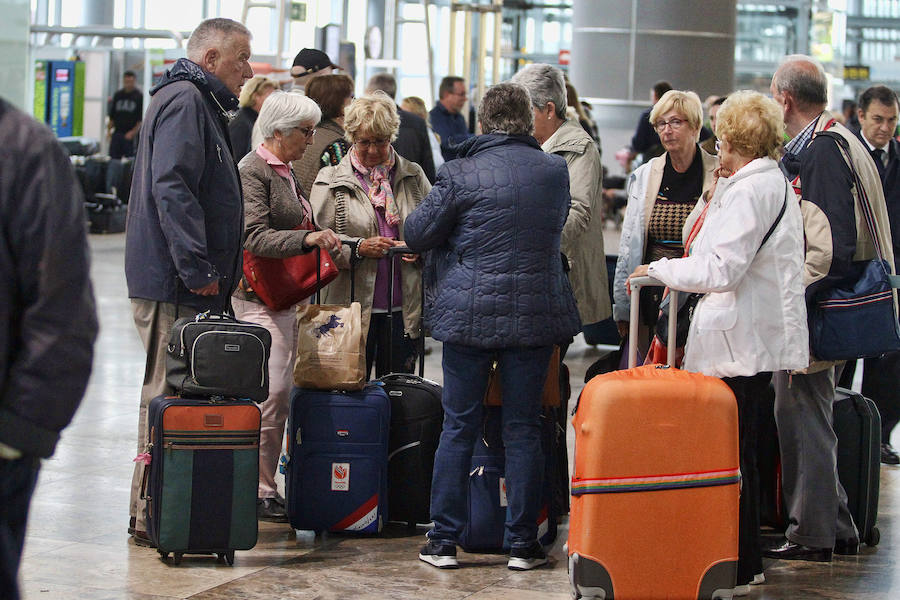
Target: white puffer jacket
[{"x": 753, "y": 316}]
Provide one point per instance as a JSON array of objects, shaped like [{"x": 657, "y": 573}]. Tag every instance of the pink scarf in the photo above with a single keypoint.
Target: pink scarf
[{"x": 378, "y": 179}]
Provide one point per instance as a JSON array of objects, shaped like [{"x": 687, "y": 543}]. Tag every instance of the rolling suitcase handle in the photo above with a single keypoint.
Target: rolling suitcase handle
[
  {"x": 420, "y": 344},
  {"x": 636, "y": 284},
  {"x": 353, "y": 244}
]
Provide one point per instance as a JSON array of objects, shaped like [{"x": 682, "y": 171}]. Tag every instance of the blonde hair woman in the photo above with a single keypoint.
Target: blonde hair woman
[
  {"x": 748, "y": 261},
  {"x": 661, "y": 196},
  {"x": 367, "y": 198}
]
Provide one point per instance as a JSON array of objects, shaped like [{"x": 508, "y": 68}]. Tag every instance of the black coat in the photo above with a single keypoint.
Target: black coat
[
  {"x": 48, "y": 322},
  {"x": 186, "y": 213},
  {"x": 412, "y": 142},
  {"x": 890, "y": 182},
  {"x": 241, "y": 131}
]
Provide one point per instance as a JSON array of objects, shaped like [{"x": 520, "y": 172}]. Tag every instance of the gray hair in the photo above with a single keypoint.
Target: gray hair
[
  {"x": 803, "y": 78},
  {"x": 282, "y": 111},
  {"x": 506, "y": 108},
  {"x": 545, "y": 83},
  {"x": 213, "y": 33},
  {"x": 385, "y": 82}
]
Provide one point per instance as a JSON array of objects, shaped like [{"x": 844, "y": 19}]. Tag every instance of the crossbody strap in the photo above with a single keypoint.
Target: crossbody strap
[{"x": 778, "y": 218}]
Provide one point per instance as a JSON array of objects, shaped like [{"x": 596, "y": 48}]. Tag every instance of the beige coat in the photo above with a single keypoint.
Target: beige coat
[
  {"x": 410, "y": 187},
  {"x": 582, "y": 235}
]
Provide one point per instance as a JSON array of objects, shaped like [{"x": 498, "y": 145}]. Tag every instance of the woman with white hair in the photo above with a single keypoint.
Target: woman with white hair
[
  {"x": 278, "y": 223},
  {"x": 253, "y": 94},
  {"x": 582, "y": 235}
]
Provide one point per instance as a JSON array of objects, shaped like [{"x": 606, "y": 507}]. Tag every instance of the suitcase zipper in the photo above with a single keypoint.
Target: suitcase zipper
[
  {"x": 177, "y": 446},
  {"x": 262, "y": 379}
]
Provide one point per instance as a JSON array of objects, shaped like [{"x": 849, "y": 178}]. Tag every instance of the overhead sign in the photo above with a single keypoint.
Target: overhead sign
[
  {"x": 856, "y": 72},
  {"x": 298, "y": 11}
]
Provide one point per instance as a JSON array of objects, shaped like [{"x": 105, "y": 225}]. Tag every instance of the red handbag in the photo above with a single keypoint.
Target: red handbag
[{"x": 283, "y": 282}]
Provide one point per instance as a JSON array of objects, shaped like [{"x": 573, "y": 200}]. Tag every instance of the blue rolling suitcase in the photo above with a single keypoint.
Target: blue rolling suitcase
[
  {"x": 485, "y": 530},
  {"x": 337, "y": 468}
]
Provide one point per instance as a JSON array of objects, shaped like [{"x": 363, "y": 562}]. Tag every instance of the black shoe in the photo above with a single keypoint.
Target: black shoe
[
  {"x": 846, "y": 547},
  {"x": 271, "y": 509},
  {"x": 529, "y": 557},
  {"x": 791, "y": 551},
  {"x": 889, "y": 456},
  {"x": 441, "y": 555}
]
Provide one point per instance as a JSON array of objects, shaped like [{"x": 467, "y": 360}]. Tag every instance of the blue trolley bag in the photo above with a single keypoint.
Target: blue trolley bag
[
  {"x": 417, "y": 417},
  {"x": 337, "y": 454},
  {"x": 336, "y": 475},
  {"x": 487, "y": 504}
]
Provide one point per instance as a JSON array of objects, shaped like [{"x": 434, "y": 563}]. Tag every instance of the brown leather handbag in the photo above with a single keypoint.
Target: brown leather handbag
[{"x": 493, "y": 396}]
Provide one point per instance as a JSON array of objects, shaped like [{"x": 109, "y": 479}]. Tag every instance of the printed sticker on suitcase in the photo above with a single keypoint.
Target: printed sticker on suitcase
[
  {"x": 340, "y": 477},
  {"x": 503, "y": 501}
]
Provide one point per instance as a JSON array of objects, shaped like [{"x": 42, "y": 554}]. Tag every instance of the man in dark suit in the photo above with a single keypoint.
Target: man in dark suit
[
  {"x": 412, "y": 141},
  {"x": 878, "y": 110}
]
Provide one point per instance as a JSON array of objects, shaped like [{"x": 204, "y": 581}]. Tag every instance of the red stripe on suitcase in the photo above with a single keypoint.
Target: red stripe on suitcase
[{"x": 353, "y": 518}]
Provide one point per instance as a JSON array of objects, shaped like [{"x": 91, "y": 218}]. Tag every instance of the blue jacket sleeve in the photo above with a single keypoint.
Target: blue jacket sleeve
[
  {"x": 175, "y": 175},
  {"x": 827, "y": 183},
  {"x": 432, "y": 222}
]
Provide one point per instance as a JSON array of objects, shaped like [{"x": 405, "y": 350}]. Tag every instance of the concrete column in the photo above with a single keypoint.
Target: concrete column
[{"x": 620, "y": 48}]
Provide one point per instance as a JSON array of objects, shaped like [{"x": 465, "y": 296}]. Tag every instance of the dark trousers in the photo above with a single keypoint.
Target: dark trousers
[
  {"x": 17, "y": 480},
  {"x": 881, "y": 383},
  {"x": 748, "y": 391},
  {"x": 119, "y": 147},
  {"x": 383, "y": 335},
  {"x": 522, "y": 372}
]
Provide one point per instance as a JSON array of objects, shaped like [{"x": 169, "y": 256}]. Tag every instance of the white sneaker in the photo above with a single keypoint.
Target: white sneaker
[
  {"x": 741, "y": 590},
  {"x": 758, "y": 579}
]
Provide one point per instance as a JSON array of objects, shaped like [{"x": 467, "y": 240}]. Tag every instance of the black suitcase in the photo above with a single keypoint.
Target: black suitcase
[
  {"x": 858, "y": 428},
  {"x": 416, "y": 421},
  {"x": 106, "y": 214}
]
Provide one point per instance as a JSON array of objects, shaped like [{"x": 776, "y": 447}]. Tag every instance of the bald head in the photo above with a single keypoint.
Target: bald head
[{"x": 804, "y": 79}]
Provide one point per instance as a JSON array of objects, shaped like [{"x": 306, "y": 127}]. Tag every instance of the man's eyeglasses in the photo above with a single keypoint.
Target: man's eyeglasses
[
  {"x": 675, "y": 124},
  {"x": 366, "y": 144}
]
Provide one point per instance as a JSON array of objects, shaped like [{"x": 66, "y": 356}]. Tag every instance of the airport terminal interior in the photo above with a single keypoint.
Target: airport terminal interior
[{"x": 63, "y": 59}]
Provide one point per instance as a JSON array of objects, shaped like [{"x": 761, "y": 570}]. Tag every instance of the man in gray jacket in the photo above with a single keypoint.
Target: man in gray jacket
[
  {"x": 47, "y": 317},
  {"x": 185, "y": 217}
]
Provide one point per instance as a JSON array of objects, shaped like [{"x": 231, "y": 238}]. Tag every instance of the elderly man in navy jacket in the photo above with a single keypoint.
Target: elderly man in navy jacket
[{"x": 185, "y": 217}]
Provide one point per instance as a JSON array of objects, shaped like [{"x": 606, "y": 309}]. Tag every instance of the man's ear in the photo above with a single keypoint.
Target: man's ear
[
  {"x": 860, "y": 114},
  {"x": 211, "y": 59}
]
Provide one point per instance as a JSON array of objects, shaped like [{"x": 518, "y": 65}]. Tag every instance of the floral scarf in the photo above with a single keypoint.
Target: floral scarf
[{"x": 378, "y": 180}]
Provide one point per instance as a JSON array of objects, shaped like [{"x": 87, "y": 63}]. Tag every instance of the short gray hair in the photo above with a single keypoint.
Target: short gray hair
[
  {"x": 385, "y": 82},
  {"x": 545, "y": 83},
  {"x": 213, "y": 33},
  {"x": 506, "y": 108},
  {"x": 803, "y": 78},
  {"x": 282, "y": 111}
]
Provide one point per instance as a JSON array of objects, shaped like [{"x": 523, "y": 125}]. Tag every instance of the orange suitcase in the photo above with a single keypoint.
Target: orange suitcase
[{"x": 655, "y": 486}]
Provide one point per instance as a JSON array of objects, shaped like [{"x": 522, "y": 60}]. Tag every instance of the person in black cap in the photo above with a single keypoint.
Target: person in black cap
[{"x": 310, "y": 63}]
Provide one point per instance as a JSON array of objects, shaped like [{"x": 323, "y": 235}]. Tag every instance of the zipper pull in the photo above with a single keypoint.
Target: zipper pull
[{"x": 219, "y": 152}]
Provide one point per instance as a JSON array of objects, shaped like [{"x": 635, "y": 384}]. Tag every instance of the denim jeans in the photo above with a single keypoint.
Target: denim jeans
[
  {"x": 17, "y": 480},
  {"x": 522, "y": 371}
]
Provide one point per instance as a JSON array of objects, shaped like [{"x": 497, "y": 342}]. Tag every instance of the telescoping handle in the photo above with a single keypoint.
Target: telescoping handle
[
  {"x": 420, "y": 344},
  {"x": 636, "y": 284},
  {"x": 353, "y": 244}
]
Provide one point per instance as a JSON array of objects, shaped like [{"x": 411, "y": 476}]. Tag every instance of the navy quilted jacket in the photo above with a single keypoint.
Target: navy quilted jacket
[{"x": 493, "y": 222}]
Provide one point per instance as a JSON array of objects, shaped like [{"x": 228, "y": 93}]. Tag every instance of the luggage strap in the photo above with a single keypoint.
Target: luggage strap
[{"x": 653, "y": 483}]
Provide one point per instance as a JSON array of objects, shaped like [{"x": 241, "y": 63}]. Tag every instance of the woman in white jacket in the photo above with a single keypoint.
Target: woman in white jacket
[{"x": 747, "y": 259}]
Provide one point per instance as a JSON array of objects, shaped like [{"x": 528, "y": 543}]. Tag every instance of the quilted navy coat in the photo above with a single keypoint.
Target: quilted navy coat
[{"x": 493, "y": 223}]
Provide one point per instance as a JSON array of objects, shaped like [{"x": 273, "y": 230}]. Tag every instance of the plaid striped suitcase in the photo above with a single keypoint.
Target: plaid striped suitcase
[{"x": 203, "y": 476}]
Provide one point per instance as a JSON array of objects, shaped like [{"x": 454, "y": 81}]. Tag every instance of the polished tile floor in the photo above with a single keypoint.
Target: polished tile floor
[{"x": 77, "y": 547}]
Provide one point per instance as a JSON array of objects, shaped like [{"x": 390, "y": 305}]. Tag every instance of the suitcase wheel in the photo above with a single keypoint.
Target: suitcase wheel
[
  {"x": 176, "y": 558},
  {"x": 874, "y": 537},
  {"x": 227, "y": 557},
  {"x": 163, "y": 555}
]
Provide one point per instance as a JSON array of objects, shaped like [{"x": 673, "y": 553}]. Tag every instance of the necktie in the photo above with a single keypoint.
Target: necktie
[{"x": 879, "y": 156}]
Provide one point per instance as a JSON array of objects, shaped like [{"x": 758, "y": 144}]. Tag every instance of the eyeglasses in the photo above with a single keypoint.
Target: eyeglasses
[
  {"x": 366, "y": 144},
  {"x": 675, "y": 124},
  {"x": 307, "y": 131},
  {"x": 718, "y": 146}
]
